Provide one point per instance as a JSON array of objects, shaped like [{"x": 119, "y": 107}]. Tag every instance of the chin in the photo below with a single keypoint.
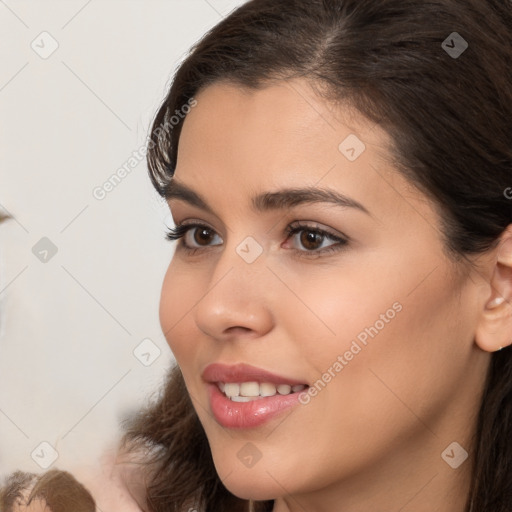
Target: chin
[
  {"x": 248, "y": 489},
  {"x": 254, "y": 483}
]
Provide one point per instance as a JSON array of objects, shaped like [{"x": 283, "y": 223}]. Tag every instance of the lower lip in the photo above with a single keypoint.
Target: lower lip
[{"x": 251, "y": 414}]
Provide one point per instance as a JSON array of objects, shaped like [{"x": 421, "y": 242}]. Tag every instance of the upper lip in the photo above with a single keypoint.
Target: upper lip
[{"x": 218, "y": 372}]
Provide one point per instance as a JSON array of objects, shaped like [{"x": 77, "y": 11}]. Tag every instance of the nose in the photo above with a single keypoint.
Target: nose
[{"x": 238, "y": 299}]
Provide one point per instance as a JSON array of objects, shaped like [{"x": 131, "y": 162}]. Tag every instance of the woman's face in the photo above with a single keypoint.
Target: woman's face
[{"x": 379, "y": 323}]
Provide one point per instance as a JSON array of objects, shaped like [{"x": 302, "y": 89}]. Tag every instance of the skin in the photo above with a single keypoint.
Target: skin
[{"x": 372, "y": 439}]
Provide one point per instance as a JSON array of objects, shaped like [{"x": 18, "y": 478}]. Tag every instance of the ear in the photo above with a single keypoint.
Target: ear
[{"x": 494, "y": 328}]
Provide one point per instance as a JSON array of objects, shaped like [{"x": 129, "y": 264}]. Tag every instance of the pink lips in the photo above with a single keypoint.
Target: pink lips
[
  {"x": 251, "y": 414},
  {"x": 218, "y": 372}
]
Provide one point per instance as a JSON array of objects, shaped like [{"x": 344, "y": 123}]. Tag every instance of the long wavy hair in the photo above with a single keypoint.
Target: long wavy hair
[{"x": 450, "y": 119}]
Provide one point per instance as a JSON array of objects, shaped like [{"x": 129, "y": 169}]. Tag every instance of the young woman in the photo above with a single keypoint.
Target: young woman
[{"x": 340, "y": 300}]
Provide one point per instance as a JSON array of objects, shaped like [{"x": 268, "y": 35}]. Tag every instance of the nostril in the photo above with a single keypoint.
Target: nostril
[{"x": 238, "y": 330}]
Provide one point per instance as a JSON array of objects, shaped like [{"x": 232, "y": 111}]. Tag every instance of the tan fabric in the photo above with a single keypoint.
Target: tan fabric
[{"x": 115, "y": 483}]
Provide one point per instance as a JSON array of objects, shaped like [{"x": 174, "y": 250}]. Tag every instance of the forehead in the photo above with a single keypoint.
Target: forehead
[
  {"x": 282, "y": 136},
  {"x": 287, "y": 118}
]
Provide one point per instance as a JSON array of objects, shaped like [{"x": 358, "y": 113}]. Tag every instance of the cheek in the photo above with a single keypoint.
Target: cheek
[
  {"x": 177, "y": 299},
  {"x": 385, "y": 342},
  {"x": 336, "y": 307}
]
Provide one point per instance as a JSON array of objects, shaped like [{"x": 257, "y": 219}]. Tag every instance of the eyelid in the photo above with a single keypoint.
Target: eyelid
[
  {"x": 180, "y": 226},
  {"x": 297, "y": 225}
]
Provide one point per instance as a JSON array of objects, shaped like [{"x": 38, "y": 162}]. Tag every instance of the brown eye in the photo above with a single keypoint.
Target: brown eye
[
  {"x": 311, "y": 240},
  {"x": 202, "y": 236},
  {"x": 195, "y": 236}
]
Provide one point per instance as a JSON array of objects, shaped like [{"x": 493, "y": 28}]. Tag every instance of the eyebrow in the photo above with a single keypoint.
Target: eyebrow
[{"x": 279, "y": 200}]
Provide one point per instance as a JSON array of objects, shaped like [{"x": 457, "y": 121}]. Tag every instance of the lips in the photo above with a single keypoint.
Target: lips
[
  {"x": 248, "y": 411},
  {"x": 238, "y": 373}
]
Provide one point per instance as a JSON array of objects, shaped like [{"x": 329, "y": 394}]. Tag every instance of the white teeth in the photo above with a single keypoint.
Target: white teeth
[
  {"x": 267, "y": 389},
  {"x": 231, "y": 389},
  {"x": 250, "y": 389},
  {"x": 241, "y": 398},
  {"x": 247, "y": 391},
  {"x": 284, "y": 389}
]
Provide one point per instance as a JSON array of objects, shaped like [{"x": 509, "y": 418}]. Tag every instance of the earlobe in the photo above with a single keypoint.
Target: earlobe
[{"x": 494, "y": 328}]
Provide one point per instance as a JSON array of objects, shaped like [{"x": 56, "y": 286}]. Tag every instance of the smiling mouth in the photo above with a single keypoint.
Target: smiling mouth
[{"x": 249, "y": 391}]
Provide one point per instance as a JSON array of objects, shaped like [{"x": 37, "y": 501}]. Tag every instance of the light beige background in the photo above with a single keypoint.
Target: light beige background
[{"x": 70, "y": 325}]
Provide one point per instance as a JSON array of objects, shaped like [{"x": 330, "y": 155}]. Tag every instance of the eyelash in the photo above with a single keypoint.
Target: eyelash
[{"x": 181, "y": 230}]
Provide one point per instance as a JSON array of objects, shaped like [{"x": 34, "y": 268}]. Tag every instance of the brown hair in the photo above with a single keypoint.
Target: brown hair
[
  {"x": 59, "y": 490},
  {"x": 450, "y": 121},
  {"x": 14, "y": 489}
]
